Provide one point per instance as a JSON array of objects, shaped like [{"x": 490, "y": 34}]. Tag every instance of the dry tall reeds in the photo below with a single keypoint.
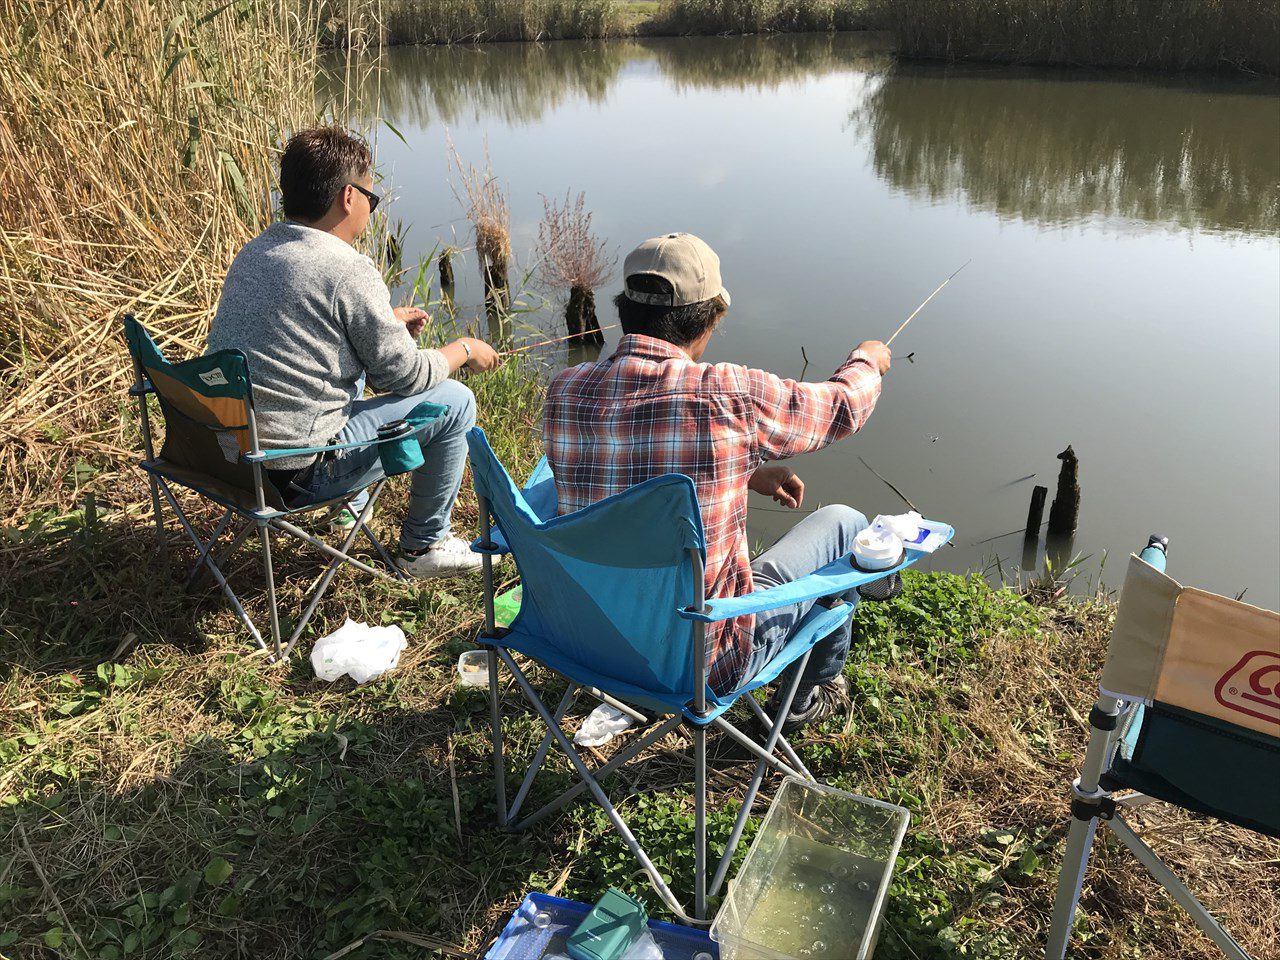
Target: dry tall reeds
[
  {"x": 1154, "y": 34},
  {"x": 571, "y": 255},
  {"x": 486, "y": 205},
  {"x": 453, "y": 21},
  {"x": 138, "y": 142},
  {"x": 758, "y": 16}
]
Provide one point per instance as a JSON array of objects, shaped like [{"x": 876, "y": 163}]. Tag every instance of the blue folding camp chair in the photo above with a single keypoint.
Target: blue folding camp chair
[
  {"x": 211, "y": 447},
  {"x": 612, "y": 600},
  {"x": 1188, "y": 714}
]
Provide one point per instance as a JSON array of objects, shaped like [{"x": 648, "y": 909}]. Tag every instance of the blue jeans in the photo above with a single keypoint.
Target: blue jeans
[
  {"x": 435, "y": 483},
  {"x": 825, "y": 535}
]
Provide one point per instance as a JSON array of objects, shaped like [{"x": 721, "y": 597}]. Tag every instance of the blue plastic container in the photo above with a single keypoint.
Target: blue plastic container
[{"x": 540, "y": 929}]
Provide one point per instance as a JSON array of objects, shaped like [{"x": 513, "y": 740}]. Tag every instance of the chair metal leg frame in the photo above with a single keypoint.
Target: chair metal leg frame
[
  {"x": 1070, "y": 882},
  {"x": 339, "y": 557},
  {"x": 495, "y": 704},
  {"x": 207, "y": 546},
  {"x": 743, "y": 740},
  {"x": 220, "y": 560},
  {"x": 217, "y": 573},
  {"x": 566, "y": 703},
  {"x": 1088, "y": 793},
  {"x": 273, "y": 610},
  {"x": 745, "y": 810},
  {"x": 207, "y": 559},
  {"x": 284, "y": 526},
  {"x": 1177, "y": 889},
  {"x": 621, "y": 758},
  {"x": 767, "y": 723},
  {"x": 597, "y": 791}
]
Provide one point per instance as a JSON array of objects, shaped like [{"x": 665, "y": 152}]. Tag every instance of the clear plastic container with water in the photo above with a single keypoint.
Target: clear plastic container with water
[{"x": 814, "y": 882}]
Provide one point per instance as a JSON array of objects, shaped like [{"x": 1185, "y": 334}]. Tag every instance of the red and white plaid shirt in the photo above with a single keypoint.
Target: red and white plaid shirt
[{"x": 649, "y": 410}]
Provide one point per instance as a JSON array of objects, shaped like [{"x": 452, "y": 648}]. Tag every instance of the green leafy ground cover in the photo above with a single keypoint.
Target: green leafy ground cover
[{"x": 179, "y": 798}]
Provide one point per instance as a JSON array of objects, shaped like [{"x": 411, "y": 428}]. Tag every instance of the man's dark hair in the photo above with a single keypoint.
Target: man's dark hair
[
  {"x": 316, "y": 165},
  {"x": 678, "y": 325}
]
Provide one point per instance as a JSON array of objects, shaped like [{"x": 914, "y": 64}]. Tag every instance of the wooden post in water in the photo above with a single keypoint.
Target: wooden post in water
[
  {"x": 580, "y": 316},
  {"x": 1064, "y": 515},
  {"x": 1035, "y": 515},
  {"x": 445, "y": 264}
]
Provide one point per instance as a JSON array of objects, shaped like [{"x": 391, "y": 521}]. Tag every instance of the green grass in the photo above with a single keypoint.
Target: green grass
[{"x": 184, "y": 799}]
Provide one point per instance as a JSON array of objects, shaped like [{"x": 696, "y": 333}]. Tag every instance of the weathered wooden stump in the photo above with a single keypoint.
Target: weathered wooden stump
[
  {"x": 580, "y": 316},
  {"x": 445, "y": 265},
  {"x": 497, "y": 295},
  {"x": 1035, "y": 514},
  {"x": 1064, "y": 515}
]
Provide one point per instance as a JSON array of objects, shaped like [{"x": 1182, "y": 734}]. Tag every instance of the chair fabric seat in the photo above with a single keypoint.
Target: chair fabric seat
[
  {"x": 1202, "y": 764},
  {"x": 817, "y": 624},
  {"x": 229, "y": 495}
]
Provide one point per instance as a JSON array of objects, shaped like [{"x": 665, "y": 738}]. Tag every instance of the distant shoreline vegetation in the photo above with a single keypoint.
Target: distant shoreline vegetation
[{"x": 1163, "y": 35}]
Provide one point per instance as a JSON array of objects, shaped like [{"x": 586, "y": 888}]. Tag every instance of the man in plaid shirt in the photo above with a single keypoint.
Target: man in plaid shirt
[{"x": 653, "y": 409}]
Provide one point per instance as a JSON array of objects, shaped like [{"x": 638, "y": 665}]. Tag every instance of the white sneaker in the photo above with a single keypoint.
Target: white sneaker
[{"x": 449, "y": 557}]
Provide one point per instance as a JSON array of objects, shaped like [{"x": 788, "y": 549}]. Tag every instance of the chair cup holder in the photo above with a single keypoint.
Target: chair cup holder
[
  {"x": 400, "y": 455},
  {"x": 886, "y": 588}
]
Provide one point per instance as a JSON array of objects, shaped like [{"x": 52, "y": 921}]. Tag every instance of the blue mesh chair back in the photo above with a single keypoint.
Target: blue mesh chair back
[{"x": 601, "y": 586}]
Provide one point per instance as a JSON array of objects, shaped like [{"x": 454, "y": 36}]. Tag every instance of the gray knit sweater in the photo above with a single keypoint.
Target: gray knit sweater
[{"x": 312, "y": 315}]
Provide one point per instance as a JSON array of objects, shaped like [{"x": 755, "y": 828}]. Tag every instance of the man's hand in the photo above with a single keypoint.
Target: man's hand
[
  {"x": 879, "y": 353},
  {"x": 779, "y": 482},
  {"x": 413, "y": 319},
  {"x": 483, "y": 357}
]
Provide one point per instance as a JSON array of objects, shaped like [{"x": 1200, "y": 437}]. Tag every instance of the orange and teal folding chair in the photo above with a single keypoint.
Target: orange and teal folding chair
[
  {"x": 211, "y": 447},
  {"x": 1188, "y": 713}
]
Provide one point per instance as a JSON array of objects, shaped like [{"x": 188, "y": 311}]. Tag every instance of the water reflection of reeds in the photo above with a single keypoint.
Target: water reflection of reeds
[
  {"x": 521, "y": 82},
  {"x": 511, "y": 82},
  {"x": 1057, "y": 150}
]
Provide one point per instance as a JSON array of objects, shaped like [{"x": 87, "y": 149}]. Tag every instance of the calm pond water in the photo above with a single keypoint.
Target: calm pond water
[{"x": 1123, "y": 295}]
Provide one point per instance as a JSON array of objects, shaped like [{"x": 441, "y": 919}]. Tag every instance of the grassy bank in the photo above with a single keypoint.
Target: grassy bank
[
  {"x": 181, "y": 799},
  {"x": 163, "y": 793},
  {"x": 1151, "y": 34}
]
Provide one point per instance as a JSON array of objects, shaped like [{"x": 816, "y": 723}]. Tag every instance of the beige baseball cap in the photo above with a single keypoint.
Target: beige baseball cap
[{"x": 683, "y": 260}]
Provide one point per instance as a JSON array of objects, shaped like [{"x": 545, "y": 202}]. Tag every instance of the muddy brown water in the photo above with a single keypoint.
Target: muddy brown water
[{"x": 1123, "y": 295}]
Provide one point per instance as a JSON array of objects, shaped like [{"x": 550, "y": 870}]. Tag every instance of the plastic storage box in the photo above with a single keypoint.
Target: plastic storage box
[
  {"x": 814, "y": 883},
  {"x": 540, "y": 929}
]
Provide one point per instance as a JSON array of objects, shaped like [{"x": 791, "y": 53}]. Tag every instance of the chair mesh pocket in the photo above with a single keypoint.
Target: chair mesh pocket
[{"x": 886, "y": 588}]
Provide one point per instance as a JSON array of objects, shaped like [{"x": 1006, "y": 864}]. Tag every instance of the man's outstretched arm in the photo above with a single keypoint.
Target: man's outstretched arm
[{"x": 794, "y": 418}]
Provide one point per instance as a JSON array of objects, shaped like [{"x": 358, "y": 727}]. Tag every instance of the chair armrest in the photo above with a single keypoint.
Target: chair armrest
[
  {"x": 264, "y": 455},
  {"x": 418, "y": 417},
  {"x": 839, "y": 576}
]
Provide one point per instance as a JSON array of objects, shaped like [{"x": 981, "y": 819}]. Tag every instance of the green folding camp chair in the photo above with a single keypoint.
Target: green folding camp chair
[
  {"x": 211, "y": 447},
  {"x": 1189, "y": 714}
]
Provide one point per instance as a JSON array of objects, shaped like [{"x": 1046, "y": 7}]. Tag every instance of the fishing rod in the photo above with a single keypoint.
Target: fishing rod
[
  {"x": 544, "y": 343},
  {"x": 926, "y": 300}
]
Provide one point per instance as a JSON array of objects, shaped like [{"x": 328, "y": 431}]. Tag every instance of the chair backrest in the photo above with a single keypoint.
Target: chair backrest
[
  {"x": 1207, "y": 669},
  {"x": 601, "y": 587},
  {"x": 207, "y": 404}
]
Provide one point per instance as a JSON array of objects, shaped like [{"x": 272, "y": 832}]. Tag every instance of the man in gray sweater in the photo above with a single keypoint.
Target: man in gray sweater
[{"x": 314, "y": 318}]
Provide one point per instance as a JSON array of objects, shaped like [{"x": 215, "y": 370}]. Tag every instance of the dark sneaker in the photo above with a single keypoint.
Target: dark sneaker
[{"x": 827, "y": 699}]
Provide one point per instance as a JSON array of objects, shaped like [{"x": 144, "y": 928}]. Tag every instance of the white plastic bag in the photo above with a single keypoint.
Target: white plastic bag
[
  {"x": 358, "y": 650},
  {"x": 602, "y": 725},
  {"x": 644, "y": 947},
  {"x": 915, "y": 531}
]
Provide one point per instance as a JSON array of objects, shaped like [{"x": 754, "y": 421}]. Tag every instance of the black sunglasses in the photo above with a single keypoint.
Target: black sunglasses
[{"x": 372, "y": 197}]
